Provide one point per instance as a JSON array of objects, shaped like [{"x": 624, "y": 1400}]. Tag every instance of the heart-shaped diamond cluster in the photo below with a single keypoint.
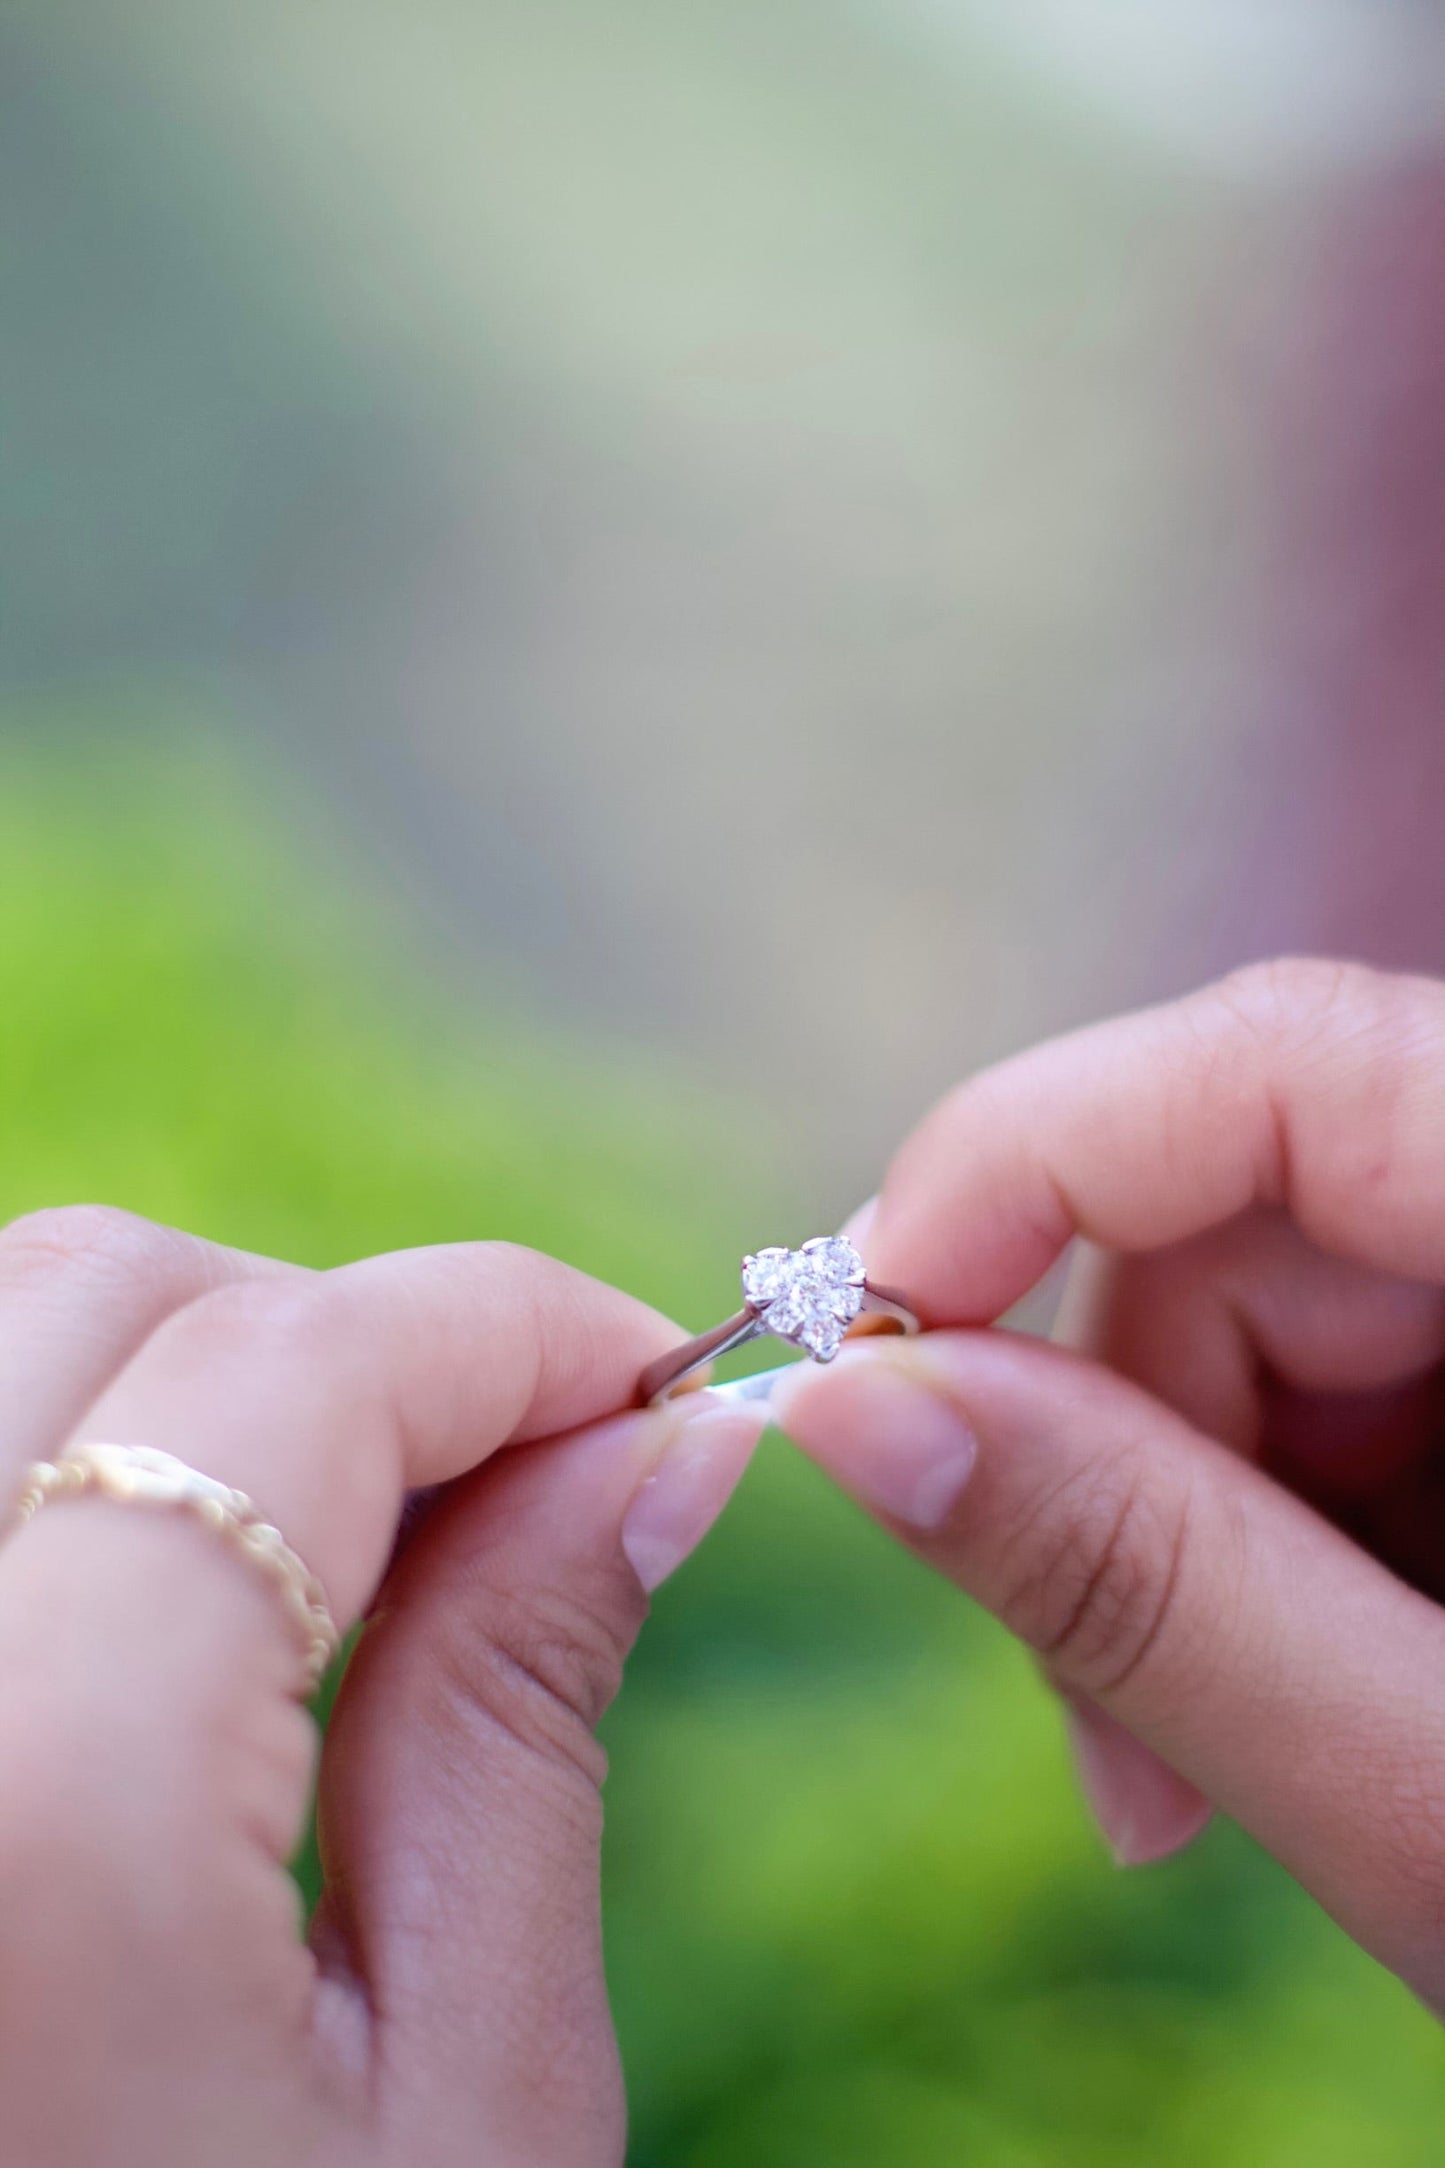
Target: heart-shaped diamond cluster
[{"x": 809, "y": 1296}]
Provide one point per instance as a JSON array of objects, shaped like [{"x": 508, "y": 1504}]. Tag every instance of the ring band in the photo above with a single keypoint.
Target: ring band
[
  {"x": 813, "y": 1297},
  {"x": 138, "y": 1475}
]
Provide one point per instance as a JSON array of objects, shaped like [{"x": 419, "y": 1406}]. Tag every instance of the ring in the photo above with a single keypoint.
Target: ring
[
  {"x": 139, "y": 1475},
  {"x": 812, "y": 1297}
]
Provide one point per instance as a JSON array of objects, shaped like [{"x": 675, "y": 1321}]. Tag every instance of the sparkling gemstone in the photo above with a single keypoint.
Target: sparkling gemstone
[
  {"x": 823, "y": 1337},
  {"x": 847, "y": 1302},
  {"x": 766, "y": 1275},
  {"x": 790, "y": 1312},
  {"x": 809, "y": 1296},
  {"x": 835, "y": 1260}
]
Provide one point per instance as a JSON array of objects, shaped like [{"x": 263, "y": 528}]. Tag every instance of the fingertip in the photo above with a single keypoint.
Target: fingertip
[
  {"x": 875, "y": 1423},
  {"x": 705, "y": 1457}
]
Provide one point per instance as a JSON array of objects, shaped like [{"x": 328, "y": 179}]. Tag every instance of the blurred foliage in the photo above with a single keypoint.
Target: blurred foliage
[{"x": 855, "y": 1915}]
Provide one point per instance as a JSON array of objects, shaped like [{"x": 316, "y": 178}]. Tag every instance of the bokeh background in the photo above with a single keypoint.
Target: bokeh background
[{"x": 597, "y": 600}]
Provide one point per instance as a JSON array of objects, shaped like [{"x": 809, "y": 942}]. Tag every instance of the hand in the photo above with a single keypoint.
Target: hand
[
  {"x": 156, "y": 2002},
  {"x": 1220, "y": 1522}
]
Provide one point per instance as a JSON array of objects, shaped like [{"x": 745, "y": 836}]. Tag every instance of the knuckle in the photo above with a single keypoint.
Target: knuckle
[
  {"x": 82, "y": 1241},
  {"x": 1373, "y": 1035},
  {"x": 1285, "y": 990},
  {"x": 539, "y": 1668},
  {"x": 1097, "y": 1567},
  {"x": 1296, "y": 998},
  {"x": 271, "y": 1314}
]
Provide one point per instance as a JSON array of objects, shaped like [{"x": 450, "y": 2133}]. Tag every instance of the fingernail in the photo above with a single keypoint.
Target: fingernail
[
  {"x": 699, "y": 1470},
  {"x": 882, "y": 1431},
  {"x": 1144, "y": 1809},
  {"x": 759, "y": 1386}
]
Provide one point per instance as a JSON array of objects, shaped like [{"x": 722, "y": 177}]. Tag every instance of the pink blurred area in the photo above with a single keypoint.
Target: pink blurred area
[{"x": 1339, "y": 835}]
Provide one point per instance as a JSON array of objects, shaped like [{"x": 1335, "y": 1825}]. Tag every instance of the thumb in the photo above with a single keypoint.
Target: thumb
[
  {"x": 460, "y": 1815},
  {"x": 1265, "y": 1657}
]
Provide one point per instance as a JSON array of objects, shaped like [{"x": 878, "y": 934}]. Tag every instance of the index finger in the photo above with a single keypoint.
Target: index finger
[
  {"x": 1314, "y": 1086},
  {"x": 326, "y": 1400},
  {"x": 137, "y": 1645}
]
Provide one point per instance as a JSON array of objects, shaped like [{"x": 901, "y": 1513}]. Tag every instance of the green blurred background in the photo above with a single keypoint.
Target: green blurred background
[{"x": 595, "y": 603}]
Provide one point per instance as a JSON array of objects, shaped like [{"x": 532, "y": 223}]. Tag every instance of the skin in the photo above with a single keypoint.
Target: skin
[
  {"x": 157, "y": 2000},
  {"x": 1219, "y": 1515}
]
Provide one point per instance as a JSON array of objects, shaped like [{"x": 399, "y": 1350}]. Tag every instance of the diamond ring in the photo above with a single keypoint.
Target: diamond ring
[{"x": 813, "y": 1297}]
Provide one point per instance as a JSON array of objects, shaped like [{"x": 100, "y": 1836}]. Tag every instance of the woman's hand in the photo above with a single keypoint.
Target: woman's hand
[
  {"x": 157, "y": 2004},
  {"x": 1221, "y": 1522}
]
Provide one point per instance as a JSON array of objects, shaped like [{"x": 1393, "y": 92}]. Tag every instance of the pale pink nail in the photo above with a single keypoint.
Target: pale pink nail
[
  {"x": 888, "y": 1437},
  {"x": 698, "y": 1473},
  {"x": 1144, "y": 1809}
]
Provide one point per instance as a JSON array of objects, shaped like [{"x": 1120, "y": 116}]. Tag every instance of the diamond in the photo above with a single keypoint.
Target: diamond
[
  {"x": 847, "y": 1302},
  {"x": 766, "y": 1275},
  {"x": 834, "y": 1259},
  {"x": 809, "y": 1296},
  {"x": 823, "y": 1337}
]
